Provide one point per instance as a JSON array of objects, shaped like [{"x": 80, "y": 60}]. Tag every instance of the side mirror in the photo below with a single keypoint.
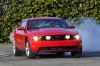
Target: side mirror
[
  {"x": 72, "y": 26},
  {"x": 20, "y": 28}
]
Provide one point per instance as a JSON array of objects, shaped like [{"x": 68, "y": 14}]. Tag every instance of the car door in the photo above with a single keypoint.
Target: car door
[{"x": 21, "y": 34}]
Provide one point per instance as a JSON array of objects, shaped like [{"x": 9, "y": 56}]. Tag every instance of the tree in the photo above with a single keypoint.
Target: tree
[{"x": 12, "y": 12}]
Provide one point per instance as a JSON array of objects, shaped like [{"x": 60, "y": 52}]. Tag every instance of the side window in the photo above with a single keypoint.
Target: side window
[{"x": 23, "y": 24}]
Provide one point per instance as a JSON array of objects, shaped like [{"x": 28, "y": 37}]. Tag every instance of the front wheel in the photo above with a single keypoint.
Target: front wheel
[
  {"x": 77, "y": 54},
  {"x": 29, "y": 53}
]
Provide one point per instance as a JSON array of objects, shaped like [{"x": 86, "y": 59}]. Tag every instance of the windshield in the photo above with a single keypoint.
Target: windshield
[{"x": 47, "y": 23}]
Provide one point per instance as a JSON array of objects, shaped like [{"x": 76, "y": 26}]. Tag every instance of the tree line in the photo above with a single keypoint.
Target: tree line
[{"x": 12, "y": 12}]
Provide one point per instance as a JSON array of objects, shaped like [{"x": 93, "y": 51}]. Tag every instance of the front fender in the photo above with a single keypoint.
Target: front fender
[{"x": 30, "y": 36}]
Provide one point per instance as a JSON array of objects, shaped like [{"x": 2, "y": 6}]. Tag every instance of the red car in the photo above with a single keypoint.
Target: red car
[{"x": 49, "y": 35}]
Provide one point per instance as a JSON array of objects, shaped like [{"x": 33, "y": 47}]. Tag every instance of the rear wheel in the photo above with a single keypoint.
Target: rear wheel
[
  {"x": 16, "y": 51},
  {"x": 29, "y": 53},
  {"x": 77, "y": 54}
]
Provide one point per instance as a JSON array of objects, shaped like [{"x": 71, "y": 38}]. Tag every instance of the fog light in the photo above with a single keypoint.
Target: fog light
[
  {"x": 67, "y": 36},
  {"x": 48, "y": 37}
]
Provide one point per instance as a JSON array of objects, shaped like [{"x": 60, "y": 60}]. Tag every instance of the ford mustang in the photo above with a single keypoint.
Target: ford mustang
[{"x": 46, "y": 35}]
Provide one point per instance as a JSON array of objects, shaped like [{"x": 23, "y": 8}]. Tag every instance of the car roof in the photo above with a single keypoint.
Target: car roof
[{"x": 42, "y": 18}]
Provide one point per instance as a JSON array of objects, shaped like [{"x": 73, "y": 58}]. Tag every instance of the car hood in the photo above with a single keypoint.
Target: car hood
[{"x": 53, "y": 31}]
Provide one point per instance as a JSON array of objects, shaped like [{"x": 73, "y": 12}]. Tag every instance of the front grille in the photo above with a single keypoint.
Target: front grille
[
  {"x": 59, "y": 48},
  {"x": 58, "y": 37}
]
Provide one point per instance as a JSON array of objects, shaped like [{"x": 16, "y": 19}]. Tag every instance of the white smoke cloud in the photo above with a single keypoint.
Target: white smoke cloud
[
  {"x": 90, "y": 32},
  {"x": 12, "y": 37}
]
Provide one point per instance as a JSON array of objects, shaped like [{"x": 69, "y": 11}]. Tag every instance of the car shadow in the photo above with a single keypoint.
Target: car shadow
[
  {"x": 84, "y": 55},
  {"x": 45, "y": 56},
  {"x": 66, "y": 55}
]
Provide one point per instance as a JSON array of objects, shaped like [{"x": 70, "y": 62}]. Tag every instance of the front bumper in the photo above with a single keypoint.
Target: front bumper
[{"x": 56, "y": 46}]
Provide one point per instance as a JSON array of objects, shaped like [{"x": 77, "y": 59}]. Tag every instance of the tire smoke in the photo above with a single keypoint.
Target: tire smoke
[
  {"x": 90, "y": 32},
  {"x": 11, "y": 37}
]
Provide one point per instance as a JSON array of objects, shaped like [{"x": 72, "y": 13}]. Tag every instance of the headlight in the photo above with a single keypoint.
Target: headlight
[
  {"x": 36, "y": 38},
  {"x": 48, "y": 37},
  {"x": 67, "y": 36},
  {"x": 77, "y": 37}
]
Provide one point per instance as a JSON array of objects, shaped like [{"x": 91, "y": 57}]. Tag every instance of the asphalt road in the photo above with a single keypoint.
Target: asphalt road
[{"x": 88, "y": 59}]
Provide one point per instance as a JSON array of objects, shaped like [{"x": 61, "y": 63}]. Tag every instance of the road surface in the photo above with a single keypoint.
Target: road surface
[{"x": 7, "y": 59}]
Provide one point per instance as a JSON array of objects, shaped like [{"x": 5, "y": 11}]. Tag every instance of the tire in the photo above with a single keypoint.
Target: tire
[
  {"x": 77, "y": 54},
  {"x": 16, "y": 51},
  {"x": 29, "y": 53}
]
